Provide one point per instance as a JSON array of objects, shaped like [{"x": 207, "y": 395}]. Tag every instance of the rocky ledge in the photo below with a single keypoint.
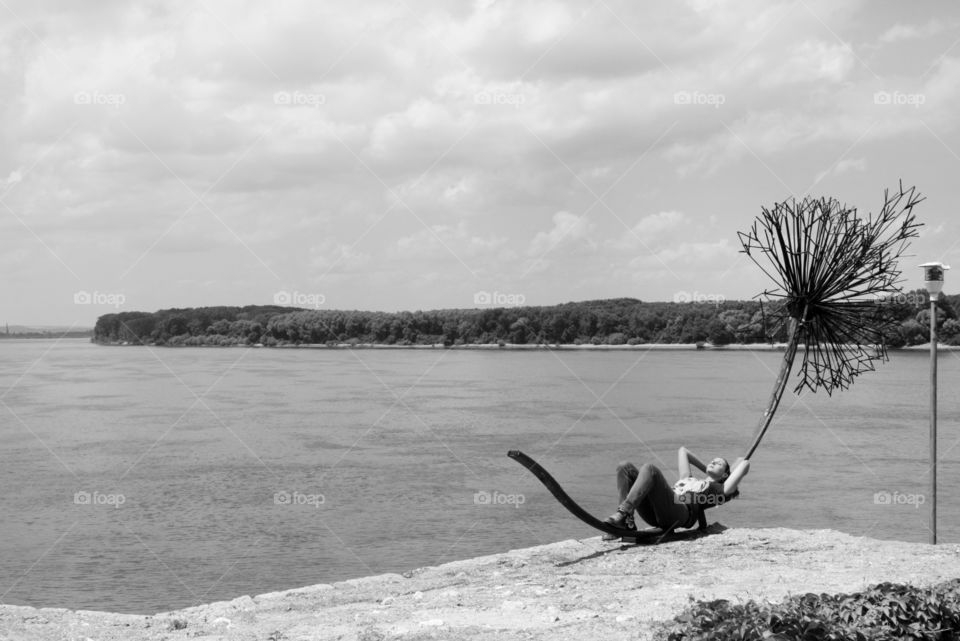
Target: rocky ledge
[{"x": 583, "y": 589}]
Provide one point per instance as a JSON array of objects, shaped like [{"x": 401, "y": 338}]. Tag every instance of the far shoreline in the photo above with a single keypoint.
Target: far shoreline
[{"x": 732, "y": 347}]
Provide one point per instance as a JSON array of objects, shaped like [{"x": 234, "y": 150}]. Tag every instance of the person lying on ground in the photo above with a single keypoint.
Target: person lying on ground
[{"x": 647, "y": 492}]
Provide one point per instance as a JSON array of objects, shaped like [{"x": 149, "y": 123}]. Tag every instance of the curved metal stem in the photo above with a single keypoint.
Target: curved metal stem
[{"x": 778, "y": 387}]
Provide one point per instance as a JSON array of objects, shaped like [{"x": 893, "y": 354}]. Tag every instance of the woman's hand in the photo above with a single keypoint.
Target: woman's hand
[
  {"x": 740, "y": 469},
  {"x": 686, "y": 458}
]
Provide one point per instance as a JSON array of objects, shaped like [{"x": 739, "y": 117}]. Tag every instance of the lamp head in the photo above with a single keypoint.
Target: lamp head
[{"x": 933, "y": 278}]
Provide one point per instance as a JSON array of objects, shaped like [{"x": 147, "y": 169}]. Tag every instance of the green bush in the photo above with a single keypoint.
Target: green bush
[{"x": 882, "y": 612}]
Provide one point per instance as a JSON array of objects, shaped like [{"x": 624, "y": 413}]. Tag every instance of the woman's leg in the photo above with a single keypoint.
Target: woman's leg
[
  {"x": 627, "y": 473},
  {"x": 651, "y": 495}
]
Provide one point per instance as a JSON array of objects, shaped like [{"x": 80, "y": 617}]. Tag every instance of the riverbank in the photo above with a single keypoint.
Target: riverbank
[
  {"x": 759, "y": 347},
  {"x": 567, "y": 590},
  {"x": 540, "y": 346}
]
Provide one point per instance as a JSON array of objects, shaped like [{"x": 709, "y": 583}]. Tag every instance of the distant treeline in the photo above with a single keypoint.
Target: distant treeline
[
  {"x": 603, "y": 322},
  {"x": 48, "y": 334}
]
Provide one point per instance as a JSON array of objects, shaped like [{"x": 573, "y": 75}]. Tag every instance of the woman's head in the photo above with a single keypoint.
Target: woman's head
[{"x": 718, "y": 469}]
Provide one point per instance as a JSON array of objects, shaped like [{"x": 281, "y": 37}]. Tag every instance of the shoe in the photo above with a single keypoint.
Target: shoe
[{"x": 621, "y": 520}]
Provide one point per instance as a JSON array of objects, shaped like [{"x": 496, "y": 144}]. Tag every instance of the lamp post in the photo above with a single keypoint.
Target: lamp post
[{"x": 933, "y": 281}]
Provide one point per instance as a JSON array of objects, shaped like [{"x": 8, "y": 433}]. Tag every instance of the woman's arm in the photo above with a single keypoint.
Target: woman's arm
[
  {"x": 740, "y": 470},
  {"x": 684, "y": 459}
]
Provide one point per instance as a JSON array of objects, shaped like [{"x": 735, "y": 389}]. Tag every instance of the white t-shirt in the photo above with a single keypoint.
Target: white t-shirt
[{"x": 690, "y": 484}]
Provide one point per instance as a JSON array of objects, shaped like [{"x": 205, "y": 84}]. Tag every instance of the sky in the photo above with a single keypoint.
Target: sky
[{"x": 404, "y": 155}]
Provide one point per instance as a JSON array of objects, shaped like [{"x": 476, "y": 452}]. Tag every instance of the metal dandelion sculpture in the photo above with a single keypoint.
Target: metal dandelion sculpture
[{"x": 833, "y": 270}]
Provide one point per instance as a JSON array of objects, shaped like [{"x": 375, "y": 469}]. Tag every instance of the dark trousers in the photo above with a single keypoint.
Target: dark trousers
[{"x": 647, "y": 491}]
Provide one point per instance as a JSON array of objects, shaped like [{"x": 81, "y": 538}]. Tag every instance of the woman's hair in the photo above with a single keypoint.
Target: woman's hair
[{"x": 726, "y": 464}]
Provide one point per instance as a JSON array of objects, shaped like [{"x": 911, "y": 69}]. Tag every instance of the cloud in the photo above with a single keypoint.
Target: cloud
[
  {"x": 445, "y": 242},
  {"x": 331, "y": 257},
  {"x": 650, "y": 231},
  {"x": 502, "y": 140},
  {"x": 687, "y": 253},
  {"x": 812, "y": 61},
  {"x": 657, "y": 223},
  {"x": 567, "y": 230},
  {"x": 686, "y": 262},
  {"x": 900, "y": 32},
  {"x": 15, "y": 177},
  {"x": 841, "y": 167},
  {"x": 940, "y": 94}
]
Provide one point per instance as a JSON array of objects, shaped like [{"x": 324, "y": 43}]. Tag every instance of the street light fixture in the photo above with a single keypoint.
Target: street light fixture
[{"x": 933, "y": 281}]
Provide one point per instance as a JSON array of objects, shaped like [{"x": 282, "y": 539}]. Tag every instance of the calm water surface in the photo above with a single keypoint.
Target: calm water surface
[{"x": 144, "y": 480}]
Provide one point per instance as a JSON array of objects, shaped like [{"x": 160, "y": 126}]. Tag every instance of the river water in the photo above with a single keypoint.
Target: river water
[{"x": 146, "y": 479}]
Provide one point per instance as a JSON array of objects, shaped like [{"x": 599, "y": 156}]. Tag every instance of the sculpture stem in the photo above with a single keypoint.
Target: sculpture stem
[{"x": 778, "y": 387}]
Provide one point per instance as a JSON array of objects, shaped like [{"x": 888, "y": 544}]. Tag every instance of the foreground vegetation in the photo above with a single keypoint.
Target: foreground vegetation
[
  {"x": 881, "y": 612},
  {"x": 603, "y": 322}
]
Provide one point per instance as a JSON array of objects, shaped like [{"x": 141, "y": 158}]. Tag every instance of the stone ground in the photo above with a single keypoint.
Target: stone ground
[{"x": 583, "y": 589}]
